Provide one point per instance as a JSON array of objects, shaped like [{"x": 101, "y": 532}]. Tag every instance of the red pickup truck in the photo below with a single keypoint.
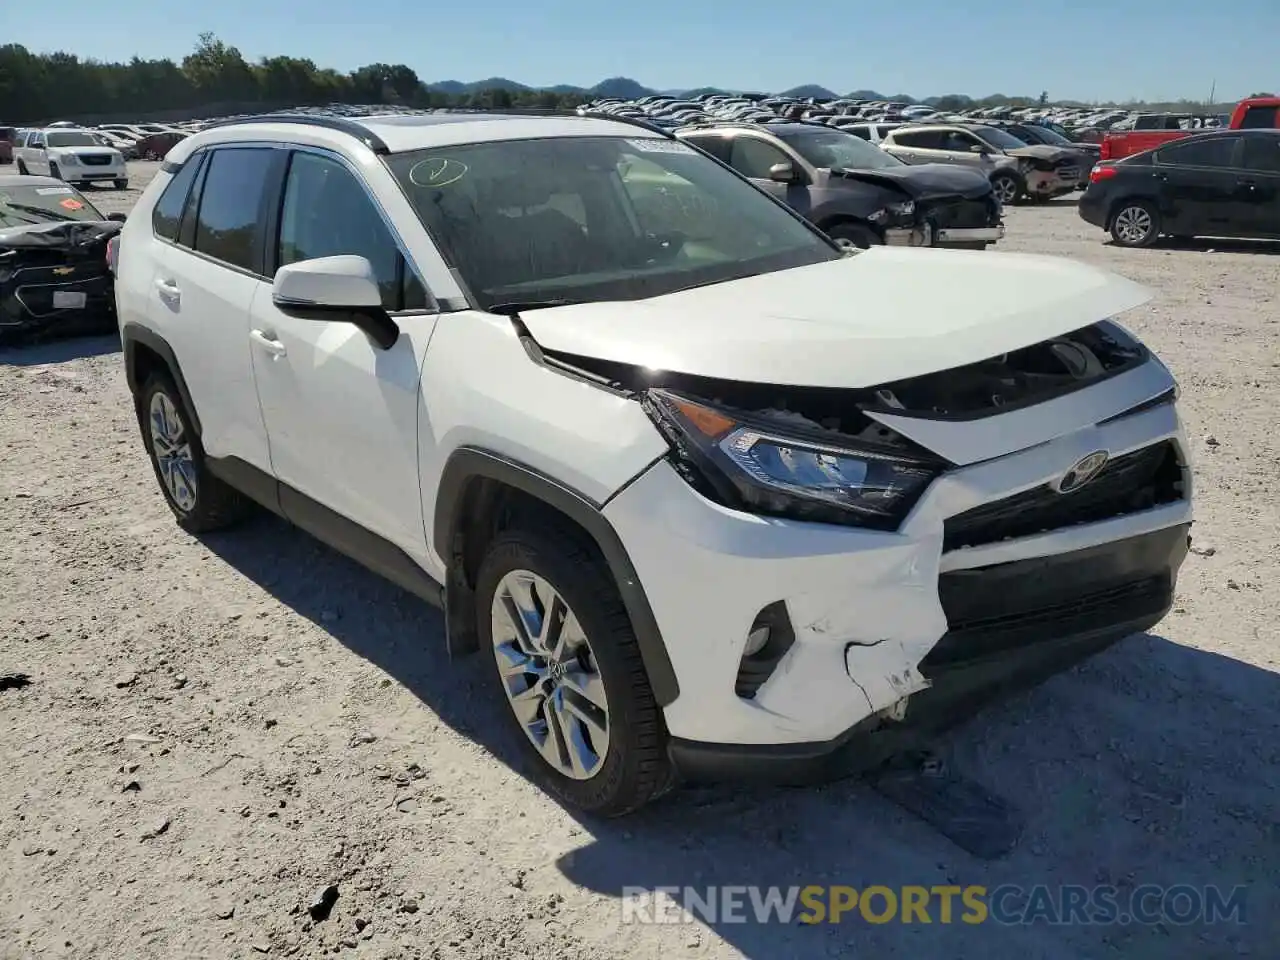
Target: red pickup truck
[{"x": 1252, "y": 114}]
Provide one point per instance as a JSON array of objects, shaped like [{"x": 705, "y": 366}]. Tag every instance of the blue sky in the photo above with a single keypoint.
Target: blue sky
[{"x": 1085, "y": 49}]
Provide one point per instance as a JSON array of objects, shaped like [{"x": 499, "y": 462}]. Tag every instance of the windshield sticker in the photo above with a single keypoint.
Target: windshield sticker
[
  {"x": 437, "y": 172},
  {"x": 656, "y": 145},
  {"x": 70, "y": 204},
  {"x": 52, "y": 191}
]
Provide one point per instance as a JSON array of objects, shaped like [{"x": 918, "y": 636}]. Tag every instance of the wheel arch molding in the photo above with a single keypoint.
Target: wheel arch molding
[
  {"x": 138, "y": 341},
  {"x": 472, "y": 472}
]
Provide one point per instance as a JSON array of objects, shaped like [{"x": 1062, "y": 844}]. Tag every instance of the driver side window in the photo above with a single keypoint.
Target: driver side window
[
  {"x": 326, "y": 213},
  {"x": 961, "y": 141}
]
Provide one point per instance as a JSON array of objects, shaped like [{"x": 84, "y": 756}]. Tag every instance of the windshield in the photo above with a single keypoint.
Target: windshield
[
  {"x": 24, "y": 205},
  {"x": 835, "y": 148},
  {"x": 1046, "y": 135},
  {"x": 576, "y": 219},
  {"x": 76, "y": 138},
  {"x": 998, "y": 138}
]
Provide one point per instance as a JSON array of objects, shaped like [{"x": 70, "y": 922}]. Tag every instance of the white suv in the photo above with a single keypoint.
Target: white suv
[
  {"x": 76, "y": 156},
  {"x": 715, "y": 496}
]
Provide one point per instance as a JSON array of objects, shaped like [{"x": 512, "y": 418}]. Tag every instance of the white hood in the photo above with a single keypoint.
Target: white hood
[{"x": 882, "y": 315}]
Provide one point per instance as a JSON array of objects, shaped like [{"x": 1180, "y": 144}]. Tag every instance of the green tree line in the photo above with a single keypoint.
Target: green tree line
[{"x": 51, "y": 86}]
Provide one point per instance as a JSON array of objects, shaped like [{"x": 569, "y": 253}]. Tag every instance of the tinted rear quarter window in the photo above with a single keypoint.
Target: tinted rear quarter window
[
  {"x": 715, "y": 144},
  {"x": 168, "y": 210},
  {"x": 231, "y": 205},
  {"x": 1259, "y": 118},
  {"x": 1261, "y": 153},
  {"x": 1209, "y": 152},
  {"x": 923, "y": 139}
]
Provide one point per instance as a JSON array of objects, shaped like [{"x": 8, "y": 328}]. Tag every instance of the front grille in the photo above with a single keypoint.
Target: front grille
[
  {"x": 1130, "y": 483},
  {"x": 95, "y": 160},
  {"x": 963, "y": 215}
]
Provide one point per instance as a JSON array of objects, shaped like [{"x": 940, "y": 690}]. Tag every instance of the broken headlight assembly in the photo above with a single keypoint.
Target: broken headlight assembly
[
  {"x": 752, "y": 464},
  {"x": 894, "y": 211}
]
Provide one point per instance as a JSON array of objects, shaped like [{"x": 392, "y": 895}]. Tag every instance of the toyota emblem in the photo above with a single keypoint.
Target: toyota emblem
[{"x": 1081, "y": 472}]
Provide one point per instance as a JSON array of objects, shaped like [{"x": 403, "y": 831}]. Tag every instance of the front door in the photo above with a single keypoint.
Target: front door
[
  {"x": 753, "y": 157},
  {"x": 342, "y": 414}
]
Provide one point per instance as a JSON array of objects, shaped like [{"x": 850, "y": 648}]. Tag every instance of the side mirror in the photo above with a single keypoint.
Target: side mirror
[
  {"x": 782, "y": 173},
  {"x": 341, "y": 289},
  {"x": 117, "y": 217},
  {"x": 980, "y": 148}
]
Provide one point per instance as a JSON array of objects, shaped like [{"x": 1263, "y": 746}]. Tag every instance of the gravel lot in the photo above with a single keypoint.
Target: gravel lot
[{"x": 216, "y": 730}]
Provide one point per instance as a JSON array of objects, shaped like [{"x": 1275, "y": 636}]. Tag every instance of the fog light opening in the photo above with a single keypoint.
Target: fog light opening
[{"x": 770, "y": 637}]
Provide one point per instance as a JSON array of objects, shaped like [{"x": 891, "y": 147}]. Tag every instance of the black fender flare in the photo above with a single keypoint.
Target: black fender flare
[
  {"x": 134, "y": 334},
  {"x": 470, "y": 463}
]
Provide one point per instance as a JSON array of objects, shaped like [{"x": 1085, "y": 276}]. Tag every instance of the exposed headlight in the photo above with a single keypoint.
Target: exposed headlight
[
  {"x": 69, "y": 159},
  {"x": 894, "y": 211},
  {"x": 802, "y": 475}
]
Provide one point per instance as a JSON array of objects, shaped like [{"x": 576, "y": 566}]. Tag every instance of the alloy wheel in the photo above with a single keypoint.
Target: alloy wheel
[
  {"x": 550, "y": 675},
  {"x": 1133, "y": 224},
  {"x": 1006, "y": 190},
  {"x": 173, "y": 451}
]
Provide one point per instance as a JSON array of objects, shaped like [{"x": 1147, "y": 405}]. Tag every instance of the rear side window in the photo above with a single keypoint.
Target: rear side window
[
  {"x": 1259, "y": 118},
  {"x": 231, "y": 205},
  {"x": 168, "y": 211},
  {"x": 924, "y": 139},
  {"x": 1208, "y": 152},
  {"x": 1261, "y": 153},
  {"x": 715, "y": 144}
]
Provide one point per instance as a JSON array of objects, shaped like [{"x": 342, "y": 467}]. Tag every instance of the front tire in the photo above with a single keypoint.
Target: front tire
[
  {"x": 861, "y": 237},
  {"x": 200, "y": 501},
  {"x": 122, "y": 184},
  {"x": 22, "y": 169},
  {"x": 568, "y": 665},
  {"x": 54, "y": 171},
  {"x": 1007, "y": 188},
  {"x": 1135, "y": 223}
]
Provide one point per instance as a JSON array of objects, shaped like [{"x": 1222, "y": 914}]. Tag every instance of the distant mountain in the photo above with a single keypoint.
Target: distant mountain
[
  {"x": 624, "y": 88},
  {"x": 493, "y": 83},
  {"x": 809, "y": 90}
]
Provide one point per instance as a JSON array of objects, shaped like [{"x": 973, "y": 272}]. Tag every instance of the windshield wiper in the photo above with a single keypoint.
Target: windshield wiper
[
  {"x": 512, "y": 307},
  {"x": 43, "y": 211}
]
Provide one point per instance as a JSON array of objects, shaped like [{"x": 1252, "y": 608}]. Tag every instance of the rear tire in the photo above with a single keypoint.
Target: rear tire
[
  {"x": 1135, "y": 223},
  {"x": 122, "y": 184},
  {"x": 620, "y": 762},
  {"x": 864, "y": 238},
  {"x": 200, "y": 501}
]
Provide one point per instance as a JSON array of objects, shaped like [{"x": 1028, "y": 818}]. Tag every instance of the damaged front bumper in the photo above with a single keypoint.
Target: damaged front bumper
[{"x": 893, "y": 635}]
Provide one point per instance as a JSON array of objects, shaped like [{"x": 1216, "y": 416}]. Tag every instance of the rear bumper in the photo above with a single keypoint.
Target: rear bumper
[
  {"x": 1065, "y": 608},
  {"x": 1093, "y": 209}
]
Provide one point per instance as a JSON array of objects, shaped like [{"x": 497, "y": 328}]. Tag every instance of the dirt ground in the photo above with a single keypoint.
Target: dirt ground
[{"x": 215, "y": 730}]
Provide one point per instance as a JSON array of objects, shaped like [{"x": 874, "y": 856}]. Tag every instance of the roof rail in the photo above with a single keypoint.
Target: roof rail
[
  {"x": 328, "y": 121},
  {"x": 561, "y": 112}
]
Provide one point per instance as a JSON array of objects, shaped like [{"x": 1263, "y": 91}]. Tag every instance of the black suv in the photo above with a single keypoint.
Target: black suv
[{"x": 855, "y": 191}]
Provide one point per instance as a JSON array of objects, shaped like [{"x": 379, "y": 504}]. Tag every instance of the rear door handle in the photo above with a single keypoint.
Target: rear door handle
[
  {"x": 267, "y": 343},
  {"x": 168, "y": 288}
]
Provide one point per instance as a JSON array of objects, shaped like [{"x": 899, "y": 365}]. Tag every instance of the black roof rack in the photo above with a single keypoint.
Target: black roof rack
[{"x": 328, "y": 121}]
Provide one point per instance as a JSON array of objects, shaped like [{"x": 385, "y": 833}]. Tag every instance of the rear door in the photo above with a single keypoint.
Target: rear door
[
  {"x": 1260, "y": 184},
  {"x": 1199, "y": 189},
  {"x": 208, "y": 255}
]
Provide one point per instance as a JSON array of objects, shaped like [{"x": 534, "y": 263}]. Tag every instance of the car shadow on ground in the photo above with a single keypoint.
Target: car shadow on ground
[
  {"x": 59, "y": 351},
  {"x": 1153, "y": 763},
  {"x": 1267, "y": 248}
]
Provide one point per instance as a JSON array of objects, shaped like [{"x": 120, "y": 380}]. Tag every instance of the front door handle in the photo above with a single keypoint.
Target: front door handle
[
  {"x": 168, "y": 288},
  {"x": 268, "y": 343}
]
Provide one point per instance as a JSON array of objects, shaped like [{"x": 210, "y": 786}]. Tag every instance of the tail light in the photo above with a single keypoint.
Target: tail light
[
  {"x": 1101, "y": 172},
  {"x": 113, "y": 254}
]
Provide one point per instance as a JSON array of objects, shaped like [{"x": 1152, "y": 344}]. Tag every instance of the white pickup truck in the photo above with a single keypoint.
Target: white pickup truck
[{"x": 76, "y": 156}]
